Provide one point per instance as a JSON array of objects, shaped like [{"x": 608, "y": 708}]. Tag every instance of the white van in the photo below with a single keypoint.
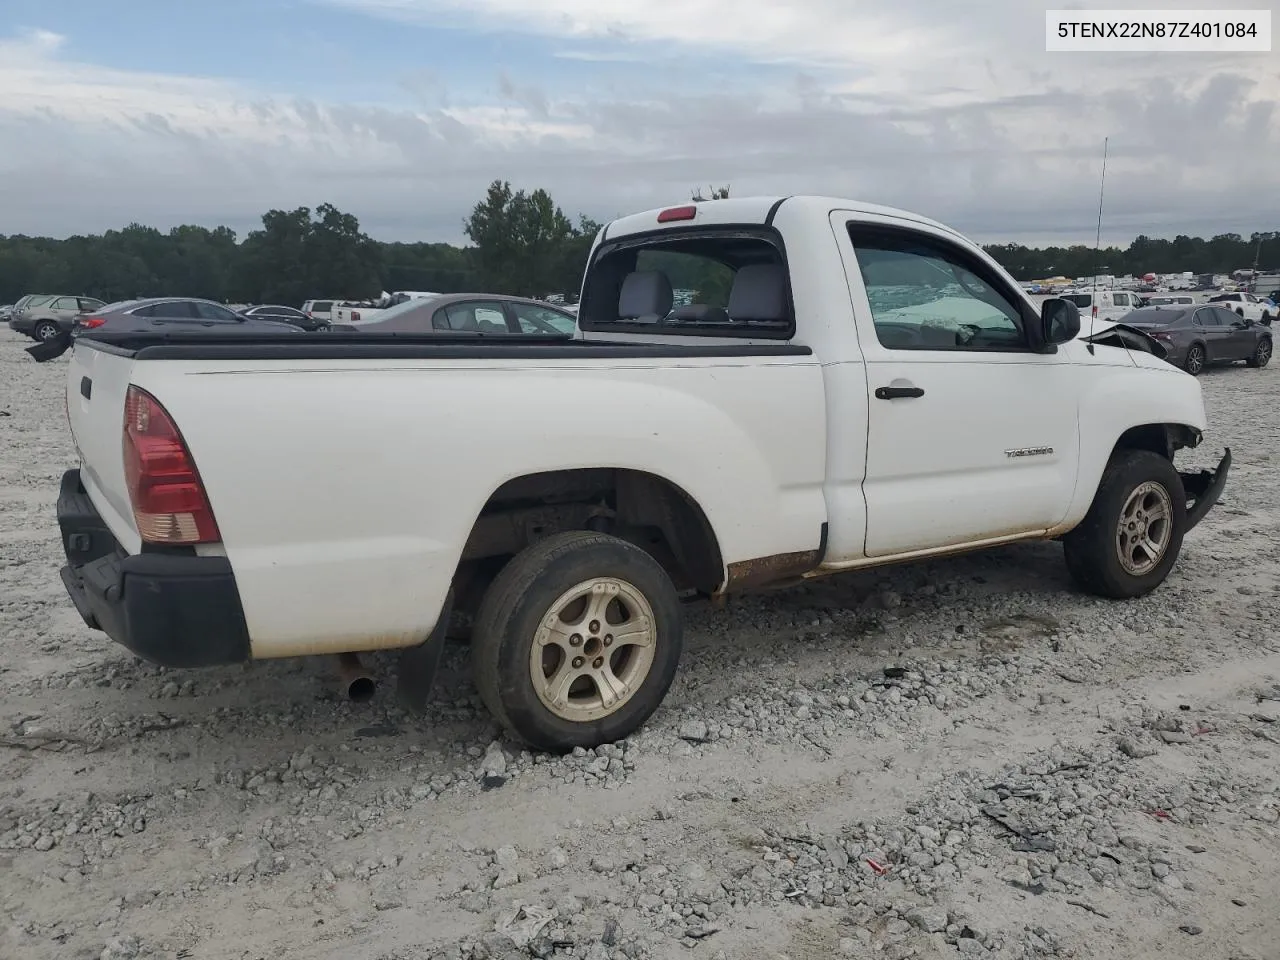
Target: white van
[
  {"x": 319, "y": 310},
  {"x": 1108, "y": 305}
]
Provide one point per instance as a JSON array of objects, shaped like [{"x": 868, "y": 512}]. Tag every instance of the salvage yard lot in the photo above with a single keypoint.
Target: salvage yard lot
[{"x": 1036, "y": 773}]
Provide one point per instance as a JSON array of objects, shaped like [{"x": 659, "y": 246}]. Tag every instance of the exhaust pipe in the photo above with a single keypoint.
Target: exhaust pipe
[{"x": 356, "y": 681}]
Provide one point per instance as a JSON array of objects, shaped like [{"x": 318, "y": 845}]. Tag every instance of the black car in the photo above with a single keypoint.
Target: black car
[
  {"x": 179, "y": 314},
  {"x": 468, "y": 313},
  {"x": 176, "y": 312},
  {"x": 269, "y": 311},
  {"x": 1197, "y": 336}
]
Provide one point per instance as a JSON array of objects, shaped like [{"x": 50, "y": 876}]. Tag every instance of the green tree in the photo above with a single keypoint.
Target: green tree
[{"x": 522, "y": 241}]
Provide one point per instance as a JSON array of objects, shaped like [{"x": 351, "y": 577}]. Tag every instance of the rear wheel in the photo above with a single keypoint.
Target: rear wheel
[
  {"x": 1130, "y": 539},
  {"x": 1194, "y": 363},
  {"x": 1262, "y": 354},
  {"x": 45, "y": 330},
  {"x": 577, "y": 641}
]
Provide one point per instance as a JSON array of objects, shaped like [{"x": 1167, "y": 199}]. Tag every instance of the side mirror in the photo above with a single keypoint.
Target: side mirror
[{"x": 1059, "y": 321}]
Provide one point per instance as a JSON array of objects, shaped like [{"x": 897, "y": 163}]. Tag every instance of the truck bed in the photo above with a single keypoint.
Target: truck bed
[{"x": 355, "y": 465}]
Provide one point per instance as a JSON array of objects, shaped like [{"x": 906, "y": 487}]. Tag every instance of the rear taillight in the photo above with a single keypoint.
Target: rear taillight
[
  {"x": 355, "y": 316},
  {"x": 90, "y": 322},
  {"x": 1166, "y": 337},
  {"x": 169, "y": 502}
]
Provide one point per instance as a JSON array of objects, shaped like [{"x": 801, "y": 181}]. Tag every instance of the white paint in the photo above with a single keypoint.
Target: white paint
[{"x": 345, "y": 490}]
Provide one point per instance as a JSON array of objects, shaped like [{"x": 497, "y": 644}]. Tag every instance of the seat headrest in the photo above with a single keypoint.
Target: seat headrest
[
  {"x": 645, "y": 294},
  {"x": 759, "y": 293}
]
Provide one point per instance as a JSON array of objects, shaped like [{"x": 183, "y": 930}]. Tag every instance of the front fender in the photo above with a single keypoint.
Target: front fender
[{"x": 1115, "y": 400}]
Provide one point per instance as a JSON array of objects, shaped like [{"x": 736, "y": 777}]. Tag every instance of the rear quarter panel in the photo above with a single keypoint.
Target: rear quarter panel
[{"x": 345, "y": 490}]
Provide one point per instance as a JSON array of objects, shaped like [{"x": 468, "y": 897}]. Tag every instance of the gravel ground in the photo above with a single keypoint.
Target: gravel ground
[{"x": 961, "y": 758}]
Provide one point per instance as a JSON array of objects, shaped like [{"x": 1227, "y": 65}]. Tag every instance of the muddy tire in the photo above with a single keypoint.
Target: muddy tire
[
  {"x": 1262, "y": 355},
  {"x": 576, "y": 641},
  {"x": 1194, "y": 362},
  {"x": 1130, "y": 539}
]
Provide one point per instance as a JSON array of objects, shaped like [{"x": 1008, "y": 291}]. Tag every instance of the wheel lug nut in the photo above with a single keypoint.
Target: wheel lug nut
[
  {"x": 608, "y": 640},
  {"x": 598, "y": 662},
  {"x": 595, "y": 626},
  {"x": 578, "y": 662},
  {"x": 575, "y": 640}
]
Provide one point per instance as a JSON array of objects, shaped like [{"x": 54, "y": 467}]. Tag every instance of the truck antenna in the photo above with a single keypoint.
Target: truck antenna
[{"x": 1097, "y": 245}]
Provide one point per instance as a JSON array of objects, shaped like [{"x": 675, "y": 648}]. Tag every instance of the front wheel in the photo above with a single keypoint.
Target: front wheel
[
  {"x": 1195, "y": 360},
  {"x": 1130, "y": 539},
  {"x": 1261, "y": 354},
  {"x": 577, "y": 640}
]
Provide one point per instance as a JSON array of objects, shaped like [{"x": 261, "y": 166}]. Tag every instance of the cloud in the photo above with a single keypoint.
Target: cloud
[{"x": 923, "y": 105}]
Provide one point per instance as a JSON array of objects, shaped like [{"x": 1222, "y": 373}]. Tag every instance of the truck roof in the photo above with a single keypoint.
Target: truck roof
[{"x": 756, "y": 210}]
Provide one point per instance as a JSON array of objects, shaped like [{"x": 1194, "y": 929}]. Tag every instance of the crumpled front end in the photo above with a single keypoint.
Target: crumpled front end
[{"x": 1203, "y": 489}]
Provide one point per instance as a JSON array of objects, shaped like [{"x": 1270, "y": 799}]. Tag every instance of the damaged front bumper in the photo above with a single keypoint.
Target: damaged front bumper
[{"x": 1204, "y": 488}]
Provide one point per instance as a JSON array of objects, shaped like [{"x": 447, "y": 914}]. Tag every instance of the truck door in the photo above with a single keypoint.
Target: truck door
[{"x": 971, "y": 434}]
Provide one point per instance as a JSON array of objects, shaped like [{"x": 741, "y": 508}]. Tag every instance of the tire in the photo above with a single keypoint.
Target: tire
[
  {"x": 1094, "y": 550},
  {"x": 44, "y": 331},
  {"x": 529, "y": 600},
  {"x": 1262, "y": 355},
  {"x": 1195, "y": 359}
]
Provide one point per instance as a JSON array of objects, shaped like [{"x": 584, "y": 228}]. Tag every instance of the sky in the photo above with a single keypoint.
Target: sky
[{"x": 402, "y": 111}]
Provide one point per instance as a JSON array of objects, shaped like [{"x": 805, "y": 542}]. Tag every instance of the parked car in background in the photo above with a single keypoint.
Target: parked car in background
[
  {"x": 299, "y": 318},
  {"x": 1100, "y": 305},
  {"x": 1197, "y": 336},
  {"x": 6, "y": 311},
  {"x": 175, "y": 312},
  {"x": 319, "y": 310},
  {"x": 189, "y": 315},
  {"x": 469, "y": 313},
  {"x": 353, "y": 311},
  {"x": 1170, "y": 300},
  {"x": 42, "y": 316},
  {"x": 1244, "y": 305}
]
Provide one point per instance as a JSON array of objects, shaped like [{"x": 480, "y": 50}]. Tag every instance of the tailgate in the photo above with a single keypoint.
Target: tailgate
[{"x": 97, "y": 381}]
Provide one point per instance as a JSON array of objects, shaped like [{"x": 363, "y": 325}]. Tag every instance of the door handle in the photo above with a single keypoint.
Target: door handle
[{"x": 894, "y": 393}]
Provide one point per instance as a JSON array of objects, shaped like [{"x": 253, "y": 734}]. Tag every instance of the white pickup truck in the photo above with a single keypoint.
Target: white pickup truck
[{"x": 852, "y": 386}]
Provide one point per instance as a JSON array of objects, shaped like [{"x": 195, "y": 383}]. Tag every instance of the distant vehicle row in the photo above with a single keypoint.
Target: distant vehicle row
[{"x": 47, "y": 318}]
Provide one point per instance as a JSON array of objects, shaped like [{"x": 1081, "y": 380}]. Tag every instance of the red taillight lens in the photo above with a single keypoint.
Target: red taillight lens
[
  {"x": 1166, "y": 337},
  {"x": 678, "y": 213},
  {"x": 90, "y": 322},
  {"x": 169, "y": 502},
  {"x": 355, "y": 316}
]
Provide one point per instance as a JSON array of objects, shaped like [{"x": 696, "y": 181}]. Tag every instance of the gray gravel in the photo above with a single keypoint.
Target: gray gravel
[{"x": 955, "y": 759}]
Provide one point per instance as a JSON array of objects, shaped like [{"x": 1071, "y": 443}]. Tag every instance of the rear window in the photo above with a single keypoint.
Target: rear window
[
  {"x": 1082, "y": 300},
  {"x": 322, "y": 306},
  {"x": 707, "y": 283}
]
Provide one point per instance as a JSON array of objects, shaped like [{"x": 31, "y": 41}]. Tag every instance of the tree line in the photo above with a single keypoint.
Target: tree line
[{"x": 521, "y": 243}]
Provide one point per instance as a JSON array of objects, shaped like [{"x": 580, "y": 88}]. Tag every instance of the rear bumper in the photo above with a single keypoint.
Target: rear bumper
[
  {"x": 177, "y": 610},
  {"x": 1204, "y": 488},
  {"x": 21, "y": 325}
]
